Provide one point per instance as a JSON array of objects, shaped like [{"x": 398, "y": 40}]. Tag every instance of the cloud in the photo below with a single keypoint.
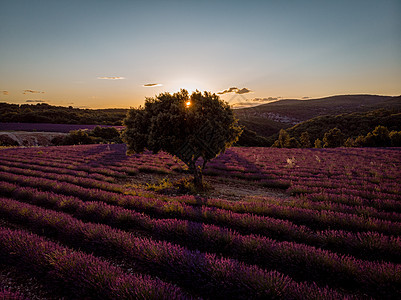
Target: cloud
[
  {"x": 243, "y": 91},
  {"x": 152, "y": 84},
  {"x": 4, "y": 92},
  {"x": 230, "y": 90},
  {"x": 251, "y": 102},
  {"x": 268, "y": 99},
  {"x": 35, "y": 101},
  {"x": 240, "y": 104},
  {"x": 235, "y": 90},
  {"x": 111, "y": 77},
  {"x": 32, "y": 92},
  {"x": 244, "y": 104}
]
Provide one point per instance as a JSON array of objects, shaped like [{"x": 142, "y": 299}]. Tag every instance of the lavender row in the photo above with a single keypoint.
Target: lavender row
[
  {"x": 367, "y": 185},
  {"x": 369, "y": 195},
  {"x": 102, "y": 161},
  {"x": 380, "y": 204},
  {"x": 83, "y": 275},
  {"x": 202, "y": 273},
  {"x": 327, "y": 165},
  {"x": 309, "y": 217},
  {"x": 265, "y": 206},
  {"x": 244, "y": 222},
  {"x": 298, "y": 162},
  {"x": 330, "y": 219},
  {"x": 63, "y": 163},
  {"x": 39, "y": 167},
  {"x": 7, "y": 294},
  {"x": 357, "y": 162},
  {"x": 235, "y": 207},
  {"x": 368, "y": 245},
  {"x": 84, "y": 182}
]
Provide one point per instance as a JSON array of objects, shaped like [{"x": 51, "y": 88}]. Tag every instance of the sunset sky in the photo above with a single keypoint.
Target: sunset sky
[{"x": 103, "y": 53}]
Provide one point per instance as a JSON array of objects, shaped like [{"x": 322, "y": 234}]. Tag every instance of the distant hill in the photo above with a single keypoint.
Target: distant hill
[
  {"x": 268, "y": 119},
  {"x": 292, "y": 111}
]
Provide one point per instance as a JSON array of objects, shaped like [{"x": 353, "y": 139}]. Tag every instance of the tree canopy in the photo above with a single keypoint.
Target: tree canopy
[
  {"x": 189, "y": 127},
  {"x": 333, "y": 138}
]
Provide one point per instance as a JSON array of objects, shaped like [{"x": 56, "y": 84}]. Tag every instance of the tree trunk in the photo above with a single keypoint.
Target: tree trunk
[
  {"x": 197, "y": 172},
  {"x": 198, "y": 178}
]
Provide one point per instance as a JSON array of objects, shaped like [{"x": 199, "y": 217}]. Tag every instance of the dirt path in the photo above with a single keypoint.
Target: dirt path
[
  {"x": 241, "y": 189},
  {"x": 221, "y": 187}
]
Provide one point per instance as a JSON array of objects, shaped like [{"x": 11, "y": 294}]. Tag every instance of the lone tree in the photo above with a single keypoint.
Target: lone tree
[{"x": 189, "y": 127}]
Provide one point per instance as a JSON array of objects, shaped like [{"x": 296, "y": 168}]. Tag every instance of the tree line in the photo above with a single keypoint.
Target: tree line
[
  {"x": 381, "y": 136},
  {"x": 45, "y": 113}
]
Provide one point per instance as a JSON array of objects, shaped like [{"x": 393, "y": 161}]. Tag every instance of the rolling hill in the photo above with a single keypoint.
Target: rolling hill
[{"x": 268, "y": 119}]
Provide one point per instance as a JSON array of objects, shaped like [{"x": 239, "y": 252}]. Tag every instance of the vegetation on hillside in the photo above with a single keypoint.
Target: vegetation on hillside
[
  {"x": 45, "y": 113},
  {"x": 379, "y": 137},
  {"x": 351, "y": 125},
  {"x": 268, "y": 119}
]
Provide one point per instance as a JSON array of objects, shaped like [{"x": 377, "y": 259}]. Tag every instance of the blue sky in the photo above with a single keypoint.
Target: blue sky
[{"x": 101, "y": 53}]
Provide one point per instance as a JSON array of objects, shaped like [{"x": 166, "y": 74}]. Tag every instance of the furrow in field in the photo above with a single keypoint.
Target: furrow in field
[
  {"x": 80, "y": 274},
  {"x": 191, "y": 269},
  {"x": 367, "y": 245}
]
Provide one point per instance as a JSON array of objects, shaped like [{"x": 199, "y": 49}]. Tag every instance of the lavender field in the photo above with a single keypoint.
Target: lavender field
[{"x": 77, "y": 222}]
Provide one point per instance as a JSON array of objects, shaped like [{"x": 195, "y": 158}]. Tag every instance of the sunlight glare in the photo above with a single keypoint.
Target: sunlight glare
[{"x": 190, "y": 85}]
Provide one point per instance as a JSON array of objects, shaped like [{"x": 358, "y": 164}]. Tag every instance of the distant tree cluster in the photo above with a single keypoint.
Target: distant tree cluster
[
  {"x": 350, "y": 125},
  {"x": 45, "y": 113},
  {"x": 285, "y": 141},
  {"x": 379, "y": 137}
]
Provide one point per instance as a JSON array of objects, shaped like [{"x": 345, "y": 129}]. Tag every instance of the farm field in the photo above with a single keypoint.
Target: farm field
[{"x": 78, "y": 222}]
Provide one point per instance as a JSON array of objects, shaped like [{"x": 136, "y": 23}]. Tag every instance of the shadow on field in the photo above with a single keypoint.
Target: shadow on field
[
  {"x": 243, "y": 167},
  {"x": 105, "y": 155}
]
